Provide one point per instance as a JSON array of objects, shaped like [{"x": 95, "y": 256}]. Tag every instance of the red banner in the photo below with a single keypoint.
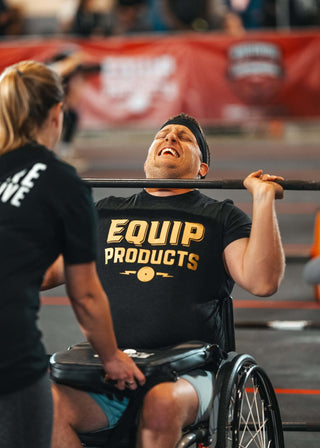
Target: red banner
[{"x": 143, "y": 80}]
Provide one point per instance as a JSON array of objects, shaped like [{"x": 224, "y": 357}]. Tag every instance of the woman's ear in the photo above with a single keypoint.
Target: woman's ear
[{"x": 56, "y": 113}]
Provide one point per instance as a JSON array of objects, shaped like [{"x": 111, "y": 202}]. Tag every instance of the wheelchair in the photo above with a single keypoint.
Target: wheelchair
[{"x": 245, "y": 410}]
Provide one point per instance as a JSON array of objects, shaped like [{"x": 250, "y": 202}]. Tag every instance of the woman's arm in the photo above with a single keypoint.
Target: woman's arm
[
  {"x": 91, "y": 307},
  {"x": 54, "y": 275}
]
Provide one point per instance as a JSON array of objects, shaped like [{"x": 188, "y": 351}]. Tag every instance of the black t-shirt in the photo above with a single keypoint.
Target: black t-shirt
[
  {"x": 160, "y": 262},
  {"x": 45, "y": 210}
]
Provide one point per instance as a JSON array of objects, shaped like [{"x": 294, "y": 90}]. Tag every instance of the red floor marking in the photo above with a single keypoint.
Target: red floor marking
[
  {"x": 291, "y": 391},
  {"x": 298, "y": 391},
  {"x": 283, "y": 304}
]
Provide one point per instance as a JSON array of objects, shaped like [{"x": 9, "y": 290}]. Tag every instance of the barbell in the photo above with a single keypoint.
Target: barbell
[{"x": 228, "y": 184}]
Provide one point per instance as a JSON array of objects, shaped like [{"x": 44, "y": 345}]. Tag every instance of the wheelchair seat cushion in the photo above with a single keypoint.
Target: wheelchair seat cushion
[{"x": 80, "y": 367}]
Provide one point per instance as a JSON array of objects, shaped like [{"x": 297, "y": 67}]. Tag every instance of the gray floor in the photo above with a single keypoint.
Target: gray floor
[{"x": 291, "y": 357}]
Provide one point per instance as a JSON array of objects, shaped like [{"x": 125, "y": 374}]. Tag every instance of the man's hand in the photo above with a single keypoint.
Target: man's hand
[
  {"x": 123, "y": 371},
  {"x": 259, "y": 183}
]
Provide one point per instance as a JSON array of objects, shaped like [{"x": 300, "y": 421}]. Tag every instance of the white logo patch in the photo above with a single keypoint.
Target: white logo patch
[{"x": 15, "y": 188}]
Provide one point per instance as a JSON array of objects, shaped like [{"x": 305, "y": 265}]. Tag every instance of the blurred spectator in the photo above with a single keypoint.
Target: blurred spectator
[
  {"x": 87, "y": 17},
  {"x": 66, "y": 15},
  {"x": 195, "y": 15},
  {"x": 231, "y": 15},
  {"x": 191, "y": 15},
  {"x": 251, "y": 12},
  {"x": 304, "y": 13},
  {"x": 130, "y": 16},
  {"x": 157, "y": 16},
  {"x": 104, "y": 17},
  {"x": 71, "y": 66},
  {"x": 238, "y": 16},
  {"x": 11, "y": 20},
  {"x": 222, "y": 18}
]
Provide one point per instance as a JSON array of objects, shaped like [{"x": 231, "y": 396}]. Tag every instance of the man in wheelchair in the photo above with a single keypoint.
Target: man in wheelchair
[{"x": 167, "y": 258}]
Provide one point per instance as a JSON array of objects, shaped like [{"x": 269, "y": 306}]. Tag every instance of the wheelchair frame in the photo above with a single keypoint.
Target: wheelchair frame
[{"x": 245, "y": 409}]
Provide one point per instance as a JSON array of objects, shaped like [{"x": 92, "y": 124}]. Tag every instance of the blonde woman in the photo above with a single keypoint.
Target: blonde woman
[{"x": 45, "y": 210}]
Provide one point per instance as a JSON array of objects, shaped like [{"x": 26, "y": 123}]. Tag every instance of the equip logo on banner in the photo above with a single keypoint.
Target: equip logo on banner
[
  {"x": 136, "y": 82},
  {"x": 256, "y": 71}
]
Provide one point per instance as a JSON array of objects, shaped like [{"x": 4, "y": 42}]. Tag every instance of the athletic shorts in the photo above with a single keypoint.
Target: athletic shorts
[{"x": 202, "y": 381}]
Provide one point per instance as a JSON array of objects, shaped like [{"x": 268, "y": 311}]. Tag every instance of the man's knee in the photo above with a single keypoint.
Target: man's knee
[
  {"x": 169, "y": 405},
  {"x": 160, "y": 408}
]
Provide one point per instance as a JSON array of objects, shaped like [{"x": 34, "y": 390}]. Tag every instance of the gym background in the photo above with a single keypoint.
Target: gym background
[{"x": 249, "y": 71}]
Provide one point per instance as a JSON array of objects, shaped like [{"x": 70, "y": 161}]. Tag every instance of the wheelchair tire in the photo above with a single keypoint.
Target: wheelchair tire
[{"x": 249, "y": 414}]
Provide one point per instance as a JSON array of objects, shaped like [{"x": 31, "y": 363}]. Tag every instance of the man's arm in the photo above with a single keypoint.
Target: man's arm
[
  {"x": 257, "y": 263},
  {"x": 54, "y": 275}
]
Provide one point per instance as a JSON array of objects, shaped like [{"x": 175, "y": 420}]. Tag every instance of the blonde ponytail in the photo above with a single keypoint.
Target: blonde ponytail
[{"x": 28, "y": 90}]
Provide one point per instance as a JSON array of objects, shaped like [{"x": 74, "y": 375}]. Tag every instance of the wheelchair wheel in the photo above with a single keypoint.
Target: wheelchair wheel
[{"x": 249, "y": 414}]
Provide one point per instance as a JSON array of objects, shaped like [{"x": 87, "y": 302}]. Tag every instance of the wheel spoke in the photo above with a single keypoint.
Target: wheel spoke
[
  {"x": 255, "y": 411},
  {"x": 263, "y": 419},
  {"x": 255, "y": 396},
  {"x": 253, "y": 437},
  {"x": 250, "y": 414}
]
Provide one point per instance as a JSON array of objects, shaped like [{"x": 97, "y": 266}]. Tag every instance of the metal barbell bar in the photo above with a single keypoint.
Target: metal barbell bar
[{"x": 228, "y": 184}]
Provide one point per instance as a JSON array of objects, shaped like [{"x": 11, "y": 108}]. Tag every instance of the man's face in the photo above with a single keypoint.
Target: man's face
[{"x": 174, "y": 154}]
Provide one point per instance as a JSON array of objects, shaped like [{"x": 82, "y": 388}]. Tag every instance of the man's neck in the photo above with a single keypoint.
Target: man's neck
[{"x": 162, "y": 192}]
